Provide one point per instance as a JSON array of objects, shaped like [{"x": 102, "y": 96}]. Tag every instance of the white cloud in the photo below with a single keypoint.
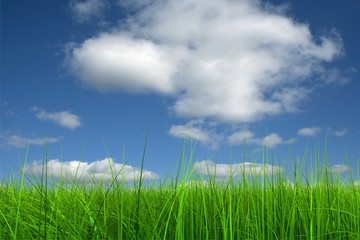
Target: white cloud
[
  {"x": 120, "y": 62},
  {"x": 231, "y": 61},
  {"x": 17, "y": 141},
  {"x": 335, "y": 77},
  {"x": 134, "y": 5},
  {"x": 84, "y": 10},
  {"x": 313, "y": 131},
  {"x": 194, "y": 130},
  {"x": 340, "y": 133},
  {"x": 291, "y": 97},
  {"x": 101, "y": 170},
  {"x": 242, "y": 137},
  {"x": 339, "y": 168},
  {"x": 248, "y": 137},
  {"x": 210, "y": 168},
  {"x": 65, "y": 118},
  {"x": 273, "y": 139},
  {"x": 309, "y": 131},
  {"x": 182, "y": 131}
]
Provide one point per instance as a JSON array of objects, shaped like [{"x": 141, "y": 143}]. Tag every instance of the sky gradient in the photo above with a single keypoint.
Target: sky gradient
[{"x": 90, "y": 78}]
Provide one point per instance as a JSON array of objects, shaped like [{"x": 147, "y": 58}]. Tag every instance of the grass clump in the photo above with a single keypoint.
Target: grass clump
[{"x": 248, "y": 207}]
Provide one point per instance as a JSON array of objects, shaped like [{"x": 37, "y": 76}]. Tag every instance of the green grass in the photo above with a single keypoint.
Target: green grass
[{"x": 317, "y": 207}]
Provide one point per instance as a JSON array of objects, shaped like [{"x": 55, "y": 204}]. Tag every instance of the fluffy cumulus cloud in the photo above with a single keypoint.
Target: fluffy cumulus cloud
[
  {"x": 210, "y": 168},
  {"x": 339, "y": 168},
  {"x": 84, "y": 10},
  {"x": 102, "y": 170},
  {"x": 229, "y": 61},
  {"x": 119, "y": 62},
  {"x": 248, "y": 137},
  {"x": 309, "y": 131},
  {"x": 194, "y": 130},
  {"x": 65, "y": 118},
  {"x": 18, "y": 141}
]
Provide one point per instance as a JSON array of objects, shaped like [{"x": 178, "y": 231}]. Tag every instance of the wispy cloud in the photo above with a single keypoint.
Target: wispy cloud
[
  {"x": 18, "y": 141},
  {"x": 314, "y": 131},
  {"x": 101, "y": 170},
  {"x": 339, "y": 133},
  {"x": 6, "y": 110},
  {"x": 230, "y": 61},
  {"x": 242, "y": 137},
  {"x": 210, "y": 168},
  {"x": 65, "y": 118},
  {"x": 85, "y": 10},
  {"x": 309, "y": 131},
  {"x": 194, "y": 130},
  {"x": 248, "y": 137}
]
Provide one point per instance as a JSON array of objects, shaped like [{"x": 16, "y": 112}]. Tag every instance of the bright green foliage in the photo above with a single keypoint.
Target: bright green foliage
[{"x": 238, "y": 209}]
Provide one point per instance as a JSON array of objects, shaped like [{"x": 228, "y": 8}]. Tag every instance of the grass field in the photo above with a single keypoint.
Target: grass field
[{"x": 322, "y": 206}]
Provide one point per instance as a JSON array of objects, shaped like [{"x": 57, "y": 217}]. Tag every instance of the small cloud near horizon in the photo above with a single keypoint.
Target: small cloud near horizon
[
  {"x": 218, "y": 170},
  {"x": 101, "y": 170}
]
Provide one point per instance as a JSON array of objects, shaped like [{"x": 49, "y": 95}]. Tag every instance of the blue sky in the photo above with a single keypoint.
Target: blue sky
[{"x": 78, "y": 74}]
